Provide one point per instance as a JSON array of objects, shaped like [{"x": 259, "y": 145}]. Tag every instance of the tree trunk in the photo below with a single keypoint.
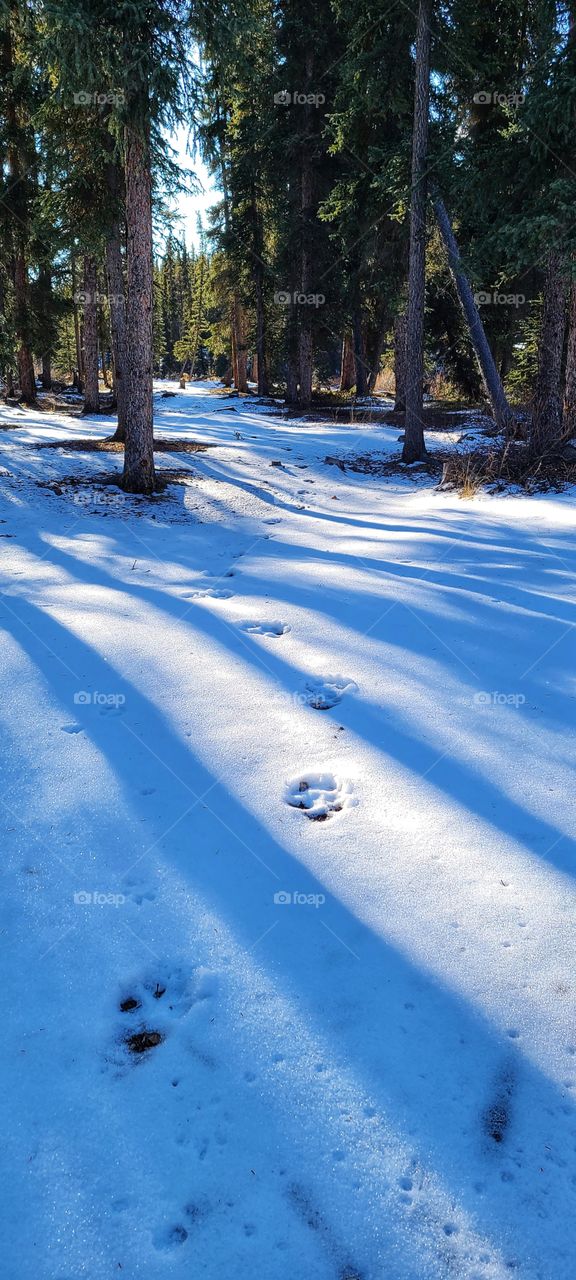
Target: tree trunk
[
  {"x": 359, "y": 355},
  {"x": 17, "y": 168},
  {"x": 546, "y": 420},
  {"x": 117, "y": 301},
  {"x": 375, "y": 354},
  {"x": 307, "y": 215},
  {"x": 46, "y": 371},
  {"x": 26, "y": 375},
  {"x": 90, "y": 334},
  {"x": 78, "y": 379},
  {"x": 414, "y": 448},
  {"x": 347, "y": 369},
  {"x": 400, "y": 362},
  {"x": 139, "y": 476},
  {"x": 503, "y": 415},
  {"x": 261, "y": 356},
  {"x": 569, "y": 414},
  {"x": 241, "y": 351}
]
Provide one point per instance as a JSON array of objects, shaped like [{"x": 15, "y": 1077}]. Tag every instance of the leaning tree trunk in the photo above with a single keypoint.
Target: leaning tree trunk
[
  {"x": 400, "y": 362},
  {"x": 569, "y": 413},
  {"x": 90, "y": 334},
  {"x": 546, "y": 420},
  {"x": 414, "y": 448},
  {"x": 139, "y": 474},
  {"x": 117, "y": 302},
  {"x": 347, "y": 368},
  {"x": 503, "y": 415},
  {"x": 78, "y": 378}
]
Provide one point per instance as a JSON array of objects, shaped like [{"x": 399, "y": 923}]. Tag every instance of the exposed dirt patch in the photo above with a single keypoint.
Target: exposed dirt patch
[
  {"x": 130, "y": 1003},
  {"x": 108, "y": 445},
  {"x": 91, "y": 485},
  {"x": 368, "y": 464},
  {"x": 143, "y": 1041}
]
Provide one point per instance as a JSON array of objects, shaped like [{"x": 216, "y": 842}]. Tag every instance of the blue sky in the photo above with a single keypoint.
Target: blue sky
[{"x": 189, "y": 206}]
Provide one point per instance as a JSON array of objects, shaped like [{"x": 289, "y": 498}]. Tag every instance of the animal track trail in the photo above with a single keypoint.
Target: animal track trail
[
  {"x": 497, "y": 1116},
  {"x": 319, "y": 795},
  {"x": 323, "y": 693},
  {"x": 303, "y": 1204}
]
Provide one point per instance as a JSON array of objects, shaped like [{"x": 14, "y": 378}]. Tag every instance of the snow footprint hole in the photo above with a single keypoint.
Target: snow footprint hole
[
  {"x": 319, "y": 795},
  {"x": 265, "y": 628},
  {"x": 323, "y": 693}
]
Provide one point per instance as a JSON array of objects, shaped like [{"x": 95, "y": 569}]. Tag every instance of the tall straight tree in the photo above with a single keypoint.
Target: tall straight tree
[
  {"x": 414, "y": 448},
  {"x": 139, "y": 439}
]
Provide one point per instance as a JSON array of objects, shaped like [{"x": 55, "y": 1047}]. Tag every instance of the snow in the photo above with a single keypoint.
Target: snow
[{"x": 365, "y": 1053}]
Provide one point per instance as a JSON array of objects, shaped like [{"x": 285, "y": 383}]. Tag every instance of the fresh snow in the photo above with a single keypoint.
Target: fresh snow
[{"x": 364, "y": 1064}]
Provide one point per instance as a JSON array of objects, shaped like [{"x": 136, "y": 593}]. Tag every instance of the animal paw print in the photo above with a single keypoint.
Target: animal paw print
[
  {"x": 265, "y": 628},
  {"x": 327, "y": 692},
  {"x": 319, "y": 795}
]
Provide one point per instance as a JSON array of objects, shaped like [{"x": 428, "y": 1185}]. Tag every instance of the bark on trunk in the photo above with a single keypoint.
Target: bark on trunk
[
  {"x": 414, "y": 448},
  {"x": 400, "y": 362},
  {"x": 307, "y": 213},
  {"x": 117, "y": 301},
  {"x": 139, "y": 476},
  {"x": 375, "y": 354},
  {"x": 46, "y": 372},
  {"x": 78, "y": 378},
  {"x": 569, "y": 414},
  {"x": 546, "y": 420},
  {"x": 503, "y": 415},
  {"x": 90, "y": 334},
  {"x": 261, "y": 353},
  {"x": 26, "y": 375},
  {"x": 347, "y": 367},
  {"x": 241, "y": 351},
  {"x": 359, "y": 354}
]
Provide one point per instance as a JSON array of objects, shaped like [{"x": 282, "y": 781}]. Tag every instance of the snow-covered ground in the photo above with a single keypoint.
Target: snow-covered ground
[{"x": 365, "y": 1065}]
